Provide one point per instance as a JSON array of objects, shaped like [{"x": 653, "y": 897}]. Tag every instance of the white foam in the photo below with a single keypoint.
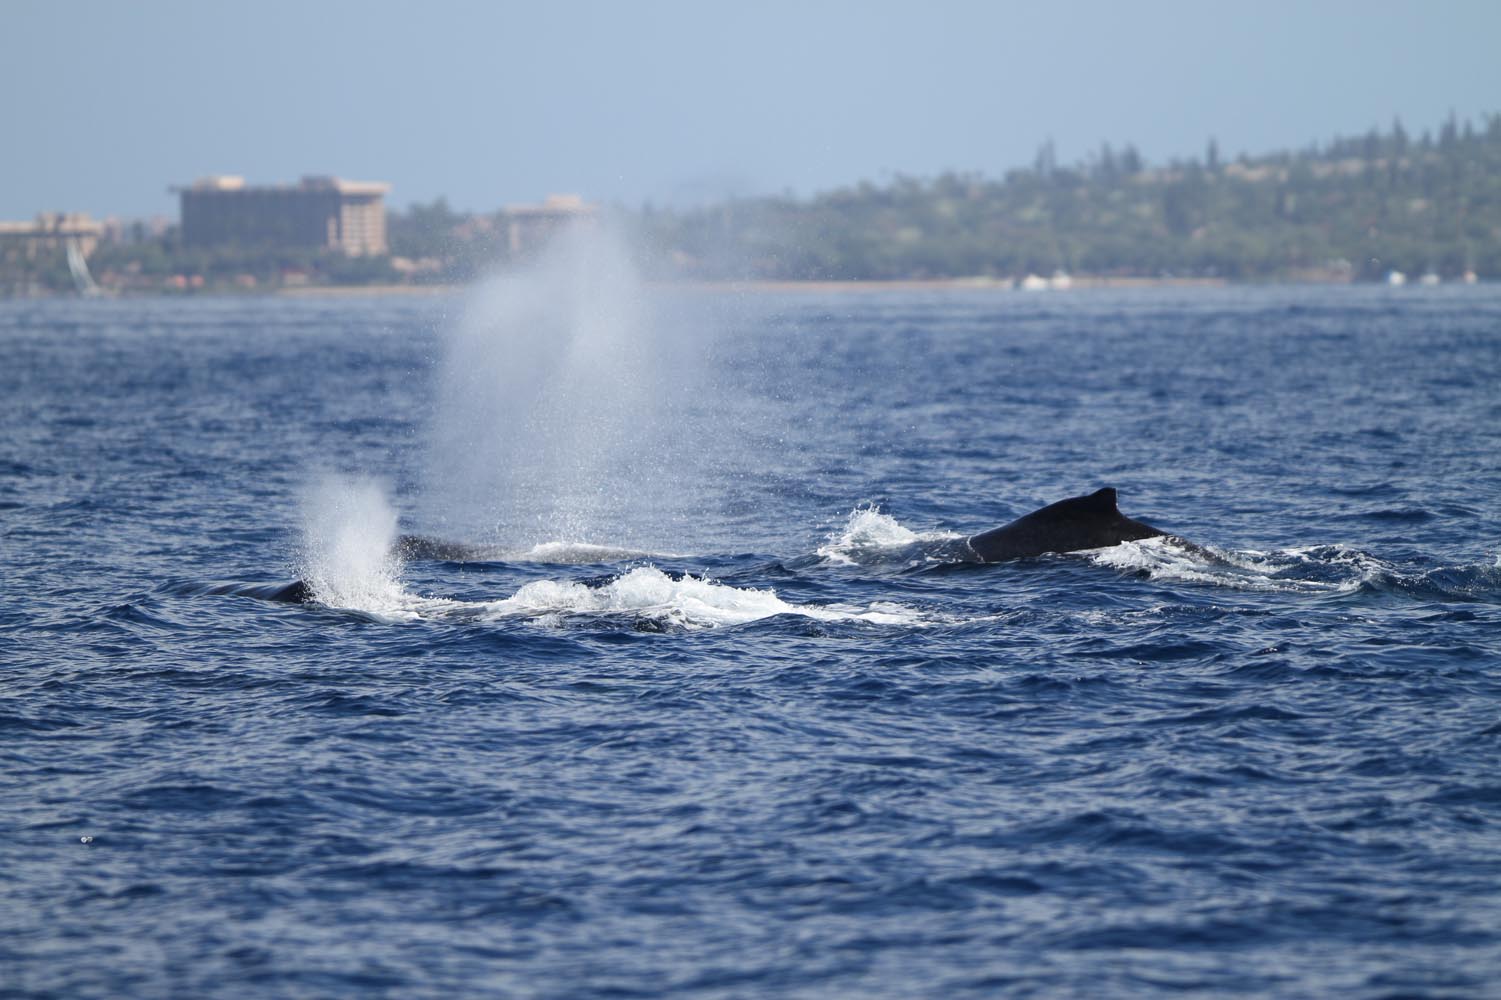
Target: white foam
[
  {"x": 870, "y": 535},
  {"x": 583, "y": 553},
  {"x": 1164, "y": 558},
  {"x": 688, "y": 601},
  {"x": 645, "y": 592},
  {"x": 1160, "y": 559}
]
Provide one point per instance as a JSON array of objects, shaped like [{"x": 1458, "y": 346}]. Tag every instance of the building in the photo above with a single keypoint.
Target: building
[
  {"x": 31, "y": 253},
  {"x": 528, "y": 227},
  {"x": 317, "y": 213},
  {"x": 48, "y": 233}
]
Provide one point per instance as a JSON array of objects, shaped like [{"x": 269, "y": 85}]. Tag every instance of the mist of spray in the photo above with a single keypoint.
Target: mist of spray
[
  {"x": 573, "y": 406},
  {"x": 348, "y": 554},
  {"x": 557, "y": 415}
]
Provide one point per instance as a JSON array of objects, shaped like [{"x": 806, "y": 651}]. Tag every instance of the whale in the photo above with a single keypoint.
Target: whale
[
  {"x": 296, "y": 592},
  {"x": 1085, "y": 522},
  {"x": 441, "y": 550}
]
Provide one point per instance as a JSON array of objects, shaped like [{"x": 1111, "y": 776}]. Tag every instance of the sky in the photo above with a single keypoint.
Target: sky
[{"x": 104, "y": 104}]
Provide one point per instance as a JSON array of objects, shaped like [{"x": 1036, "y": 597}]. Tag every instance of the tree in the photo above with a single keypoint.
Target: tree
[{"x": 423, "y": 230}]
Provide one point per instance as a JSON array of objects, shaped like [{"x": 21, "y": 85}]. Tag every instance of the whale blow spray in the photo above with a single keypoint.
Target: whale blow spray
[{"x": 557, "y": 415}]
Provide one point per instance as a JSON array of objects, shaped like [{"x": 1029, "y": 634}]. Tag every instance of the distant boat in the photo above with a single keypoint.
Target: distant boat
[
  {"x": 1428, "y": 278},
  {"x": 1396, "y": 278},
  {"x": 1034, "y": 283},
  {"x": 1470, "y": 277},
  {"x": 1060, "y": 281}
]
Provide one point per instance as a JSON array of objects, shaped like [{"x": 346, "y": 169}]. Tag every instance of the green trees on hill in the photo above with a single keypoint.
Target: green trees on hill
[{"x": 1360, "y": 206}]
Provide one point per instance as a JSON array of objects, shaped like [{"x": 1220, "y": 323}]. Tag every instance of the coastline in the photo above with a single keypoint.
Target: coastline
[
  {"x": 1084, "y": 283},
  {"x": 935, "y": 285},
  {"x": 753, "y": 287}
]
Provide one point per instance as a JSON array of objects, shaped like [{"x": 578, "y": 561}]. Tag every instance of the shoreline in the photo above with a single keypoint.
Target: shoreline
[
  {"x": 936, "y": 285},
  {"x": 793, "y": 287},
  {"x": 1085, "y": 283}
]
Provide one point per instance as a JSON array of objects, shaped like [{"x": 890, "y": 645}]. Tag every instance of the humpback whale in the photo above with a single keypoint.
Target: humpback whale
[
  {"x": 1087, "y": 522},
  {"x": 296, "y": 592}
]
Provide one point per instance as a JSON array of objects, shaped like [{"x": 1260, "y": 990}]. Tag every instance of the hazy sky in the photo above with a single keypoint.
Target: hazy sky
[{"x": 104, "y": 104}]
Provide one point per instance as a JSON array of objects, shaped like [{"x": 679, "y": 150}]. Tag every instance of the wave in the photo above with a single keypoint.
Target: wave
[
  {"x": 644, "y": 593},
  {"x": 558, "y": 553},
  {"x": 1327, "y": 569},
  {"x": 586, "y": 553},
  {"x": 1323, "y": 569},
  {"x": 870, "y": 538}
]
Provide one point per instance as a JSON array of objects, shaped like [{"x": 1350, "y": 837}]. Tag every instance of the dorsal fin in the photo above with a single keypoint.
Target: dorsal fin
[
  {"x": 1100, "y": 503},
  {"x": 1089, "y": 522}
]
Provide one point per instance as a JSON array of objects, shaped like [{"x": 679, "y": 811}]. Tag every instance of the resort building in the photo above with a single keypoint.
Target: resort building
[
  {"x": 528, "y": 227},
  {"x": 321, "y": 213},
  {"x": 47, "y": 233}
]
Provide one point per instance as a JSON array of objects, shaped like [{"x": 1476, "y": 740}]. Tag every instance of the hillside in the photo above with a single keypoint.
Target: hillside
[{"x": 1356, "y": 207}]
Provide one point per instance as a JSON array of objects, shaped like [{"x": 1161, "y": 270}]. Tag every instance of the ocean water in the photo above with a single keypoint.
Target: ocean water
[{"x": 679, "y": 692}]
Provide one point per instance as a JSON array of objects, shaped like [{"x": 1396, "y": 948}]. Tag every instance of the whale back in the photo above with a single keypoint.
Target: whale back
[{"x": 1085, "y": 522}]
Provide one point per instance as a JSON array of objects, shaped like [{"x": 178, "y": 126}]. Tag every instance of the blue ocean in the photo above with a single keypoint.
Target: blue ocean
[{"x": 639, "y": 665}]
